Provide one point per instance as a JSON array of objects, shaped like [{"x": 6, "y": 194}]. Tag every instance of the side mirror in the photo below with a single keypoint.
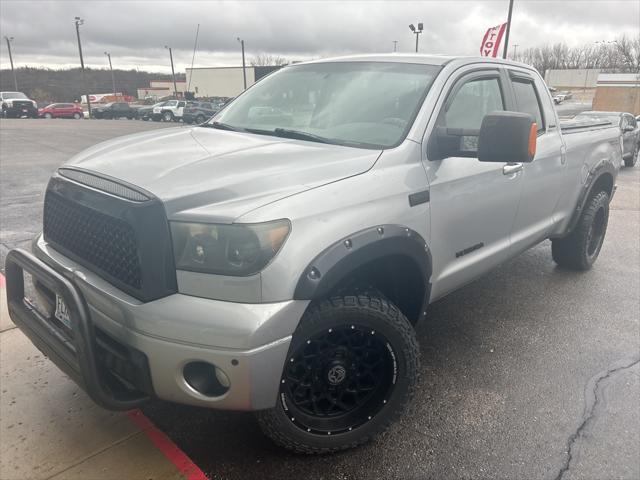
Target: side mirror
[
  {"x": 507, "y": 137},
  {"x": 628, "y": 128}
]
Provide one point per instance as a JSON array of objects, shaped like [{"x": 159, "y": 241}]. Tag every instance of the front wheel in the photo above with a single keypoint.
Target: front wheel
[
  {"x": 48, "y": 116},
  {"x": 167, "y": 116},
  {"x": 580, "y": 249},
  {"x": 350, "y": 372}
]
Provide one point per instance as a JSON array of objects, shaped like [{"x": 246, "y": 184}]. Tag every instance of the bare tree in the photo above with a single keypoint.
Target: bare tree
[
  {"x": 621, "y": 55},
  {"x": 266, "y": 60}
]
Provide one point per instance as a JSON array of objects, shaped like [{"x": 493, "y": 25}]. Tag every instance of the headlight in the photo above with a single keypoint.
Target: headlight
[{"x": 235, "y": 250}]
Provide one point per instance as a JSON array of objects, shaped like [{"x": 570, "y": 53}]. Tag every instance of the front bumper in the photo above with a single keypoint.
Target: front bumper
[
  {"x": 249, "y": 343},
  {"x": 20, "y": 111}
]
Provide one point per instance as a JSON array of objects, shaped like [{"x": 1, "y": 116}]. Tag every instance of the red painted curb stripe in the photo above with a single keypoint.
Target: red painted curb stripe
[
  {"x": 2, "y": 282},
  {"x": 169, "y": 449}
]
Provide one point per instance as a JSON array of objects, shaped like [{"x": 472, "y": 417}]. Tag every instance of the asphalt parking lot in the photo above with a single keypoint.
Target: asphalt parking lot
[{"x": 530, "y": 372}]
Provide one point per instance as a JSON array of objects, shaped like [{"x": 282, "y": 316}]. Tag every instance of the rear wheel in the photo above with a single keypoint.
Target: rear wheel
[
  {"x": 580, "y": 249},
  {"x": 77, "y": 116},
  {"x": 200, "y": 119},
  {"x": 350, "y": 372}
]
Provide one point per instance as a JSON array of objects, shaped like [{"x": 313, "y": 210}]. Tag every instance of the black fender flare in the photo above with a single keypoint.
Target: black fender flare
[
  {"x": 603, "y": 167},
  {"x": 336, "y": 262}
]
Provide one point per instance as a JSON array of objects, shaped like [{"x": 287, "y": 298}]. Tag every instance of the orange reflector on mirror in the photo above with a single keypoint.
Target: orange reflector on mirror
[{"x": 533, "y": 139}]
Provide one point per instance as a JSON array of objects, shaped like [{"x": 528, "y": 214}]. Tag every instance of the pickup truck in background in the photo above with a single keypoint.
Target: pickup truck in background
[
  {"x": 279, "y": 262},
  {"x": 17, "y": 105},
  {"x": 114, "y": 110},
  {"x": 170, "y": 111}
]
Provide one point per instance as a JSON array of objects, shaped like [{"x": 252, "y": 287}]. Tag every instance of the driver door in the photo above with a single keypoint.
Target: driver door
[{"x": 473, "y": 203}]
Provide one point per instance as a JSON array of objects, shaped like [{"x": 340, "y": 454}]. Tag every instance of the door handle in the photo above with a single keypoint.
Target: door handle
[{"x": 510, "y": 168}]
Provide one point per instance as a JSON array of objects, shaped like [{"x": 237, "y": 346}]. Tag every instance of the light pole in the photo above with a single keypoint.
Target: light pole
[
  {"x": 395, "y": 45},
  {"x": 113, "y": 79},
  {"x": 79, "y": 22},
  {"x": 244, "y": 69},
  {"x": 173, "y": 72},
  {"x": 15, "y": 79},
  {"x": 417, "y": 32},
  {"x": 506, "y": 36}
]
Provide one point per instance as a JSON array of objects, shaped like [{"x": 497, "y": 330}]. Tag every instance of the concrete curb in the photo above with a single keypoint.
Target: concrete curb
[{"x": 50, "y": 429}]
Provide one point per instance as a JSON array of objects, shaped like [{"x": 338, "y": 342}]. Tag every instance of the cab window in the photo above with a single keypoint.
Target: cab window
[
  {"x": 527, "y": 100},
  {"x": 473, "y": 100}
]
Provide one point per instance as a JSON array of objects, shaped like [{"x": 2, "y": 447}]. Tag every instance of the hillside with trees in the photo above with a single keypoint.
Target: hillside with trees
[{"x": 48, "y": 85}]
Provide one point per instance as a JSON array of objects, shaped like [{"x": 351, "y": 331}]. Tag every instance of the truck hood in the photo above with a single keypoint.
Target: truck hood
[{"x": 215, "y": 175}]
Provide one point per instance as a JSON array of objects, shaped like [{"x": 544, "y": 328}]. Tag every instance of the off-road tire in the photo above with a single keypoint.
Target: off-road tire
[
  {"x": 576, "y": 251},
  {"x": 374, "y": 311},
  {"x": 631, "y": 161}
]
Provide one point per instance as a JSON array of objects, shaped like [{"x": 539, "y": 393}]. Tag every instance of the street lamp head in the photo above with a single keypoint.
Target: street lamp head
[
  {"x": 167, "y": 47},
  {"x": 412, "y": 28},
  {"x": 420, "y": 27},
  {"x": 239, "y": 39},
  {"x": 106, "y": 53}
]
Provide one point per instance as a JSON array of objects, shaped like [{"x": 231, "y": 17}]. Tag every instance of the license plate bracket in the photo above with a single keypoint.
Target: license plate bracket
[{"x": 62, "y": 312}]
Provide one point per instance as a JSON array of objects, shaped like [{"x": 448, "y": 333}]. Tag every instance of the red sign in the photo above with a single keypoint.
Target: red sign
[{"x": 491, "y": 41}]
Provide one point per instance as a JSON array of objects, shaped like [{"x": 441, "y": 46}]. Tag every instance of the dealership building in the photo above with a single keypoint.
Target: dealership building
[{"x": 223, "y": 81}]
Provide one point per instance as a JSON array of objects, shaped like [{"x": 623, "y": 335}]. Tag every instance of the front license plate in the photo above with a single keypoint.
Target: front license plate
[
  {"x": 25, "y": 110},
  {"x": 62, "y": 312}
]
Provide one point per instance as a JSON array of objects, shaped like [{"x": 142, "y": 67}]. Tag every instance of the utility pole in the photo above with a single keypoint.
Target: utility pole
[
  {"x": 173, "y": 72},
  {"x": 79, "y": 22},
  {"x": 15, "y": 79},
  {"x": 244, "y": 68},
  {"x": 515, "y": 50},
  {"x": 506, "y": 36},
  {"x": 113, "y": 80},
  {"x": 395, "y": 45},
  {"x": 417, "y": 32}
]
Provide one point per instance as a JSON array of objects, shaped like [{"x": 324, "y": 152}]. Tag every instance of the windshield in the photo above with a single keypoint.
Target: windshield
[
  {"x": 14, "y": 95},
  {"x": 362, "y": 104}
]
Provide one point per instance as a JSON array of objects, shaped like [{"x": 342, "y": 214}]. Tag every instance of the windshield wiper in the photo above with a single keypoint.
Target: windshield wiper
[
  {"x": 300, "y": 135},
  {"x": 222, "y": 126}
]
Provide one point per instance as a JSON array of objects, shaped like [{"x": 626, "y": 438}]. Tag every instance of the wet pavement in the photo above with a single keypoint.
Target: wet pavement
[{"x": 529, "y": 372}]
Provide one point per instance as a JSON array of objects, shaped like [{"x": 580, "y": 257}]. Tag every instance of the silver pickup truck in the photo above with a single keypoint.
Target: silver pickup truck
[{"x": 277, "y": 258}]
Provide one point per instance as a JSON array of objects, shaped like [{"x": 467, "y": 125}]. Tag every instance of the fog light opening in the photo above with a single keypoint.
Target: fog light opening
[{"x": 206, "y": 379}]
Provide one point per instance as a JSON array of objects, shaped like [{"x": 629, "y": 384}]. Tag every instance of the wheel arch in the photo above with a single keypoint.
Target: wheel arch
[
  {"x": 393, "y": 259},
  {"x": 600, "y": 178}
]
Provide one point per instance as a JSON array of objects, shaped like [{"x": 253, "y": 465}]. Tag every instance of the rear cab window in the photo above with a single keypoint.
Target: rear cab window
[{"x": 528, "y": 99}]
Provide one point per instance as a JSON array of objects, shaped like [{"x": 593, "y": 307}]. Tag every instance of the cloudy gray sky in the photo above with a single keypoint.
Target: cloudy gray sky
[{"x": 135, "y": 32}]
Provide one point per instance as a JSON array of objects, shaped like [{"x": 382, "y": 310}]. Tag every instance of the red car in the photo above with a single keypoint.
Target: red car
[{"x": 61, "y": 110}]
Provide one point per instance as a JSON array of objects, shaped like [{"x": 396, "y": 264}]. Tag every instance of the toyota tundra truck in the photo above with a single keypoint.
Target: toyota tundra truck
[{"x": 277, "y": 258}]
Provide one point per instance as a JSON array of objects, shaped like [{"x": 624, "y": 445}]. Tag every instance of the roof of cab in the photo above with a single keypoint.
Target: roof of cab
[{"x": 427, "y": 59}]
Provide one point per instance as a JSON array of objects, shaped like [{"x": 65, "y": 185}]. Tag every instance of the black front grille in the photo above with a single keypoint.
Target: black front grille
[
  {"x": 108, "y": 243},
  {"x": 22, "y": 104}
]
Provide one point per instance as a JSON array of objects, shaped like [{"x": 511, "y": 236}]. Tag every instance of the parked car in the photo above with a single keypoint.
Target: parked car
[
  {"x": 279, "y": 263},
  {"x": 145, "y": 112},
  {"x": 199, "y": 112},
  {"x": 17, "y": 104},
  {"x": 114, "y": 110},
  {"x": 629, "y": 129},
  {"x": 171, "y": 111},
  {"x": 61, "y": 110}
]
